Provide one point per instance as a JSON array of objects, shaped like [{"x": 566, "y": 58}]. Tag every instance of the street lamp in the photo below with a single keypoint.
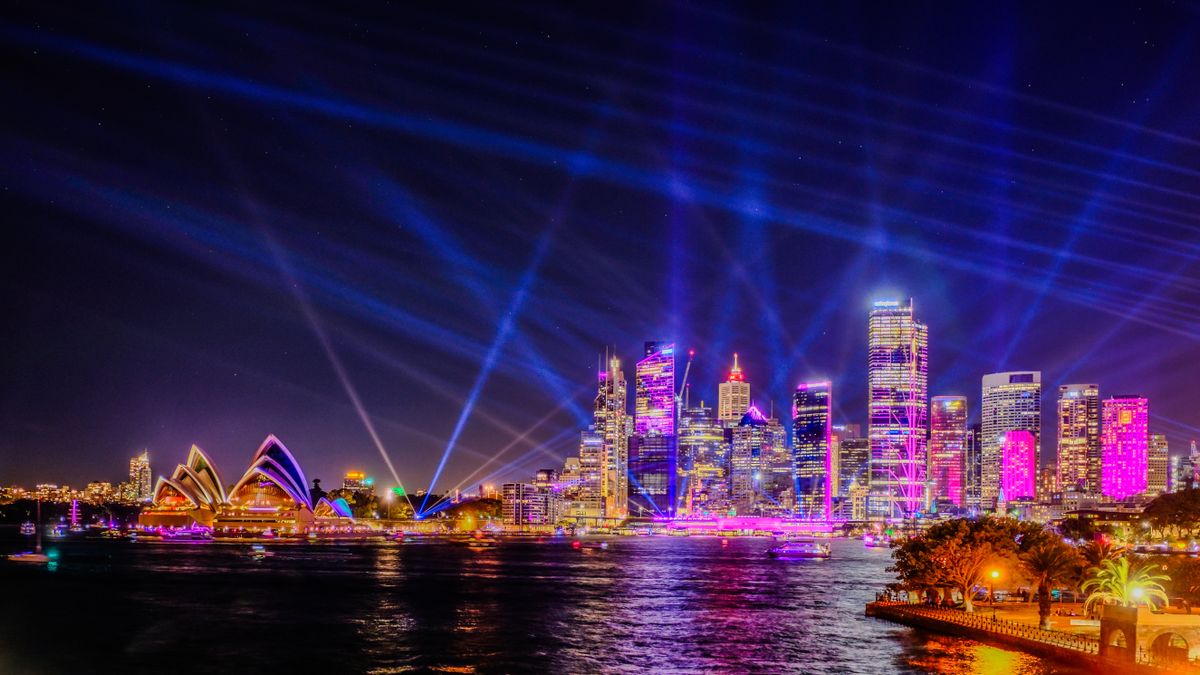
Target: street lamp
[{"x": 995, "y": 575}]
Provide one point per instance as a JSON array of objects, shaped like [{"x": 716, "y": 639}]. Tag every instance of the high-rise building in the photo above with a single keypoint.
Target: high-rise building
[
  {"x": 1125, "y": 439},
  {"x": 898, "y": 391},
  {"x": 779, "y": 482},
  {"x": 141, "y": 480},
  {"x": 588, "y": 495},
  {"x": 1018, "y": 477},
  {"x": 1183, "y": 476},
  {"x": 704, "y": 457},
  {"x": 1079, "y": 437},
  {"x": 653, "y": 451},
  {"x": 611, "y": 420},
  {"x": 947, "y": 445},
  {"x": 1010, "y": 402},
  {"x": 733, "y": 396},
  {"x": 973, "y": 467},
  {"x": 812, "y": 452},
  {"x": 755, "y": 444},
  {"x": 523, "y": 504},
  {"x": 1158, "y": 461},
  {"x": 841, "y": 432},
  {"x": 1047, "y": 483},
  {"x": 854, "y": 465}
]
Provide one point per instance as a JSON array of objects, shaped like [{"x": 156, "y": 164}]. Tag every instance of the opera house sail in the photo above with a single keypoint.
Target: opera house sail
[{"x": 272, "y": 494}]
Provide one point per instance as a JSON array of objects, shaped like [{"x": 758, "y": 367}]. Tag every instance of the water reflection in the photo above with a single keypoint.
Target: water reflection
[{"x": 643, "y": 605}]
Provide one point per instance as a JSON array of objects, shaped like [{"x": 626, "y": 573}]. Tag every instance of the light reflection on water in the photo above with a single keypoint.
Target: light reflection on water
[{"x": 646, "y": 604}]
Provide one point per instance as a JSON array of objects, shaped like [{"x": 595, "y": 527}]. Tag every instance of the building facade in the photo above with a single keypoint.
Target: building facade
[
  {"x": 1011, "y": 401},
  {"x": 612, "y": 422},
  {"x": 898, "y": 390},
  {"x": 947, "y": 447},
  {"x": 733, "y": 396},
  {"x": 704, "y": 460},
  {"x": 812, "y": 451},
  {"x": 1079, "y": 437},
  {"x": 1158, "y": 466},
  {"x": 1018, "y": 477},
  {"x": 1125, "y": 442},
  {"x": 654, "y": 450}
]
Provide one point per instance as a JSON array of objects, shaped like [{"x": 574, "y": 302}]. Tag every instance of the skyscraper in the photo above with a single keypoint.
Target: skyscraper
[
  {"x": 611, "y": 421},
  {"x": 704, "y": 456},
  {"x": 1011, "y": 402},
  {"x": 589, "y": 498},
  {"x": 898, "y": 390},
  {"x": 812, "y": 452},
  {"x": 1158, "y": 467},
  {"x": 141, "y": 480},
  {"x": 733, "y": 396},
  {"x": 1125, "y": 439},
  {"x": 972, "y": 467},
  {"x": 947, "y": 445},
  {"x": 841, "y": 433},
  {"x": 1018, "y": 479},
  {"x": 1079, "y": 437},
  {"x": 653, "y": 452},
  {"x": 750, "y": 463}
]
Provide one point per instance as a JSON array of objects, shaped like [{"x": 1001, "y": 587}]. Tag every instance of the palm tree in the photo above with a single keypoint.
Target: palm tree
[
  {"x": 1050, "y": 563},
  {"x": 1116, "y": 582},
  {"x": 1098, "y": 550}
]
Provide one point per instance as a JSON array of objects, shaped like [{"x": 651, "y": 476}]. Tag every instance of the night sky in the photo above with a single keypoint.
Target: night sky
[{"x": 224, "y": 220}]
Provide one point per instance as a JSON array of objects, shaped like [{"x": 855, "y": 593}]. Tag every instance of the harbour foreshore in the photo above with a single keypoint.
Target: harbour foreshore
[{"x": 1055, "y": 645}]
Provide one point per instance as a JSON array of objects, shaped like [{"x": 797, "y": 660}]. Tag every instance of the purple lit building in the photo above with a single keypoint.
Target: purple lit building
[
  {"x": 1125, "y": 439},
  {"x": 812, "y": 456},
  {"x": 898, "y": 399},
  {"x": 654, "y": 450},
  {"x": 1018, "y": 465}
]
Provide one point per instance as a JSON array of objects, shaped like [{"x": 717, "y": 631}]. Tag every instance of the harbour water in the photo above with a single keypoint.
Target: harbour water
[{"x": 644, "y": 604}]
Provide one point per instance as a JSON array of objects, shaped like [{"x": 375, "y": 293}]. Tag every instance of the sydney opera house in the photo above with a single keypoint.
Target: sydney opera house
[{"x": 272, "y": 494}]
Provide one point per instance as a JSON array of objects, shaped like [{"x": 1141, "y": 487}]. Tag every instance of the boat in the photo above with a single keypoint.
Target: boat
[
  {"x": 799, "y": 549},
  {"x": 35, "y": 557},
  {"x": 190, "y": 534},
  {"x": 28, "y": 529},
  {"x": 592, "y": 545},
  {"x": 259, "y": 552},
  {"x": 877, "y": 541}
]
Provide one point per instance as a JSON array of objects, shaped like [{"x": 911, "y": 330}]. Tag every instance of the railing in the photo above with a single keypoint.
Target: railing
[{"x": 1056, "y": 638}]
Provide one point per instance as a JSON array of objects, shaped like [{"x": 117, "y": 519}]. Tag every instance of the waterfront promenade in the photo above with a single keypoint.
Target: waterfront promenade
[{"x": 1050, "y": 644}]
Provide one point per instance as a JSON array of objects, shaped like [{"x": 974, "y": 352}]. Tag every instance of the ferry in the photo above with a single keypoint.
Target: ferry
[
  {"x": 877, "y": 541},
  {"x": 799, "y": 550},
  {"x": 28, "y": 528},
  {"x": 197, "y": 534},
  {"x": 259, "y": 552}
]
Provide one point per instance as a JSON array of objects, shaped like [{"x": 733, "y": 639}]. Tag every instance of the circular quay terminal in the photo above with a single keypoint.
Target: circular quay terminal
[{"x": 666, "y": 337}]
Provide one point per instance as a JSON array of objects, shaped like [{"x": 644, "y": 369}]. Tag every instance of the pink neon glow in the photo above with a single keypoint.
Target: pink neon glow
[
  {"x": 947, "y": 442},
  {"x": 1019, "y": 464},
  {"x": 1125, "y": 437}
]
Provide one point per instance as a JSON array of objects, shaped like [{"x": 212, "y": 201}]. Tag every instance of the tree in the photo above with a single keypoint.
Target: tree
[
  {"x": 1050, "y": 562},
  {"x": 1117, "y": 582},
  {"x": 1176, "y": 513},
  {"x": 956, "y": 554}
]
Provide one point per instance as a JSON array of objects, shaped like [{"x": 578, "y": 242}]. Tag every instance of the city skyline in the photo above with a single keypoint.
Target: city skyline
[{"x": 420, "y": 268}]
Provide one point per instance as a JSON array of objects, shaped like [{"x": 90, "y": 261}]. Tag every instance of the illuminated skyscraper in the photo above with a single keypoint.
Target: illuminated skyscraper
[
  {"x": 733, "y": 396},
  {"x": 611, "y": 421},
  {"x": 812, "y": 452},
  {"x": 947, "y": 446},
  {"x": 972, "y": 467},
  {"x": 1158, "y": 463},
  {"x": 841, "y": 477},
  {"x": 898, "y": 391},
  {"x": 1018, "y": 452},
  {"x": 750, "y": 459},
  {"x": 588, "y": 497},
  {"x": 1079, "y": 437},
  {"x": 141, "y": 480},
  {"x": 1010, "y": 402},
  {"x": 704, "y": 455},
  {"x": 653, "y": 452},
  {"x": 1125, "y": 440}
]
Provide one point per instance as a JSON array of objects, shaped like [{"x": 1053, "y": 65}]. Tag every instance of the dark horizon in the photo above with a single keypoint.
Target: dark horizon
[{"x": 228, "y": 221}]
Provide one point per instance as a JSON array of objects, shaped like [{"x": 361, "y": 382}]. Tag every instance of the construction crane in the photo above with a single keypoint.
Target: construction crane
[{"x": 686, "y": 370}]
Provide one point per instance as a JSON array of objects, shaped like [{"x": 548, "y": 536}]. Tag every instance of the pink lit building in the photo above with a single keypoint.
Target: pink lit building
[
  {"x": 1018, "y": 473},
  {"x": 1125, "y": 442},
  {"x": 947, "y": 442}
]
